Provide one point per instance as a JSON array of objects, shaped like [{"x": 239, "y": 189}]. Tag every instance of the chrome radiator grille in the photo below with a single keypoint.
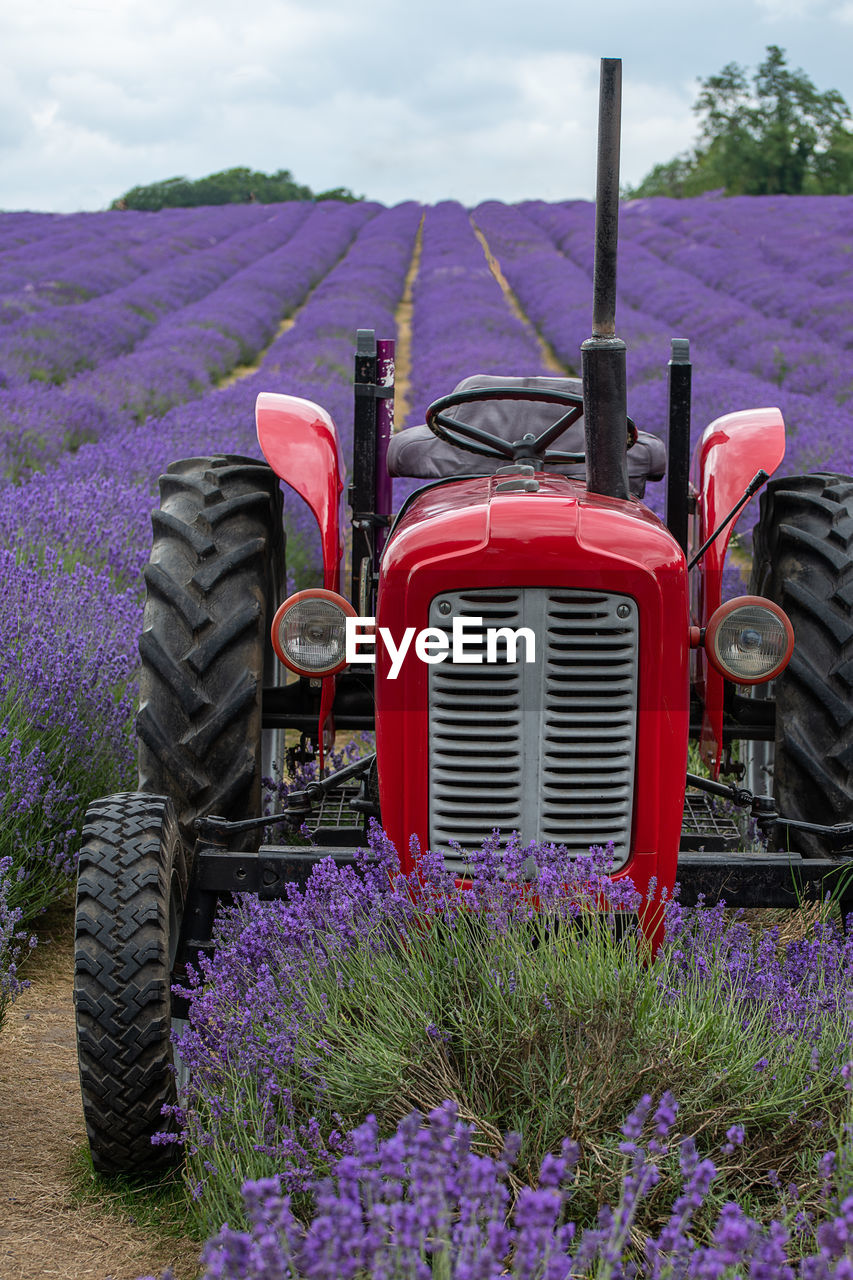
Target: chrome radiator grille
[{"x": 543, "y": 748}]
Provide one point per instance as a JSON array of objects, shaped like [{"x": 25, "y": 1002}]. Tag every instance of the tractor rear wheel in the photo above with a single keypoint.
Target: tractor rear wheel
[
  {"x": 131, "y": 889},
  {"x": 803, "y": 560},
  {"x": 215, "y": 576}
]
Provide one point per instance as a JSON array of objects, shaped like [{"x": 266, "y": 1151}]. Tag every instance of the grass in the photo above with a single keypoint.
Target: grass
[{"x": 158, "y": 1207}]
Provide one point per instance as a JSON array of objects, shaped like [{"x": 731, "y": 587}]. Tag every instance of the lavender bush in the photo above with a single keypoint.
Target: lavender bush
[
  {"x": 14, "y": 940},
  {"x": 362, "y": 997},
  {"x": 422, "y": 1203},
  {"x": 67, "y": 695}
]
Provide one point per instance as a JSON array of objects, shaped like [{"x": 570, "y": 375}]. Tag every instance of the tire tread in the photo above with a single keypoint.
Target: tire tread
[
  {"x": 803, "y": 560},
  {"x": 217, "y": 561},
  {"x": 130, "y": 852}
]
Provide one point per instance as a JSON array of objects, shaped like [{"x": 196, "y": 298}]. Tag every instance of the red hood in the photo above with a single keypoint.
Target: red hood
[{"x": 463, "y": 516}]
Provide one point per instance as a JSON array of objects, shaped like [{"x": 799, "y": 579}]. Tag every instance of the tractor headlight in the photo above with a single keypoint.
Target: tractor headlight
[
  {"x": 309, "y": 632},
  {"x": 749, "y": 640}
]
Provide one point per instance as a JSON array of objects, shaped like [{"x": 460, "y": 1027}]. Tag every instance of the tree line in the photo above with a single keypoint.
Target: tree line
[
  {"x": 773, "y": 134},
  {"x": 231, "y": 186}
]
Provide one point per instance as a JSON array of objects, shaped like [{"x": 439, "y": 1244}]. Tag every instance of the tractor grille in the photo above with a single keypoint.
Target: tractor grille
[{"x": 543, "y": 748}]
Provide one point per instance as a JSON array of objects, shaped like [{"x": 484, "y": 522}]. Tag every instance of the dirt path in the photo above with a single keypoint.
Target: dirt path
[
  {"x": 45, "y": 1230},
  {"x": 244, "y": 370},
  {"x": 403, "y": 344},
  {"x": 549, "y": 356}
]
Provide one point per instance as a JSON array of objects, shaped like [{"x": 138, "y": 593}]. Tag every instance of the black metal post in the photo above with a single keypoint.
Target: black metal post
[
  {"x": 385, "y": 373},
  {"x": 603, "y": 355},
  {"x": 362, "y": 490},
  {"x": 605, "y": 416},
  {"x": 607, "y": 199},
  {"x": 678, "y": 448}
]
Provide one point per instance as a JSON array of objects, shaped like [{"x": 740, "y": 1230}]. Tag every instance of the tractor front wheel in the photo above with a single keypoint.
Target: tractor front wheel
[
  {"x": 803, "y": 560},
  {"x": 131, "y": 889}
]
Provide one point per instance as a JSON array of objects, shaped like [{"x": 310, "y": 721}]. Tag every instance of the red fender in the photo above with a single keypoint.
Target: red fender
[
  {"x": 732, "y": 449},
  {"x": 299, "y": 441}
]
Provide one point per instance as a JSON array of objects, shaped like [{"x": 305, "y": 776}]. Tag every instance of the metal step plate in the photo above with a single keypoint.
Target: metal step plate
[{"x": 704, "y": 828}]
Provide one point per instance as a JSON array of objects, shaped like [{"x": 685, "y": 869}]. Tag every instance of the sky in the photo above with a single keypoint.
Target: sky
[{"x": 396, "y": 99}]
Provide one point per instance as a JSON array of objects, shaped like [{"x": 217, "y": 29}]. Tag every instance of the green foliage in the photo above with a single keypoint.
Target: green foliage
[
  {"x": 231, "y": 186},
  {"x": 775, "y": 135},
  {"x": 46, "y": 781}
]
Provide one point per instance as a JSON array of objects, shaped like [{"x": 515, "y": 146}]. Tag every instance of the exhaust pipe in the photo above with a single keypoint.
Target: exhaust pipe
[{"x": 603, "y": 355}]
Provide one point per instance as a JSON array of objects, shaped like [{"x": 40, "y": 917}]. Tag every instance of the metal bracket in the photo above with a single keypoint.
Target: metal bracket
[
  {"x": 761, "y": 477},
  {"x": 372, "y": 391},
  {"x": 298, "y": 803},
  {"x": 369, "y": 519},
  {"x": 839, "y": 835}
]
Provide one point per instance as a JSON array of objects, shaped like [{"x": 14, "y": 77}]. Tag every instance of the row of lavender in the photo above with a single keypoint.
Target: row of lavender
[
  {"x": 165, "y": 337},
  {"x": 461, "y": 323},
  {"x": 59, "y": 341},
  {"x": 807, "y": 241},
  {"x": 48, "y": 259}
]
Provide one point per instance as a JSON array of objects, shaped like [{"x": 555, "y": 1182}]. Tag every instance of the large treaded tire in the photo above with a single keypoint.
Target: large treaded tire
[
  {"x": 803, "y": 560},
  {"x": 131, "y": 888},
  {"x": 214, "y": 579}
]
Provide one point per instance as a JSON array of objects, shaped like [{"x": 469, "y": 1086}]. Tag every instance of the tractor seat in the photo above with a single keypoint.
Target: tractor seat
[{"x": 416, "y": 452}]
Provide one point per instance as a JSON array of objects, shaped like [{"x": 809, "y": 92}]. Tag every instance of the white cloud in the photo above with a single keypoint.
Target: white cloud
[
  {"x": 779, "y": 10},
  {"x": 464, "y": 98}
]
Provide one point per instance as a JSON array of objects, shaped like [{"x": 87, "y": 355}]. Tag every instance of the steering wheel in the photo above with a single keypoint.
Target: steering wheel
[{"x": 529, "y": 448}]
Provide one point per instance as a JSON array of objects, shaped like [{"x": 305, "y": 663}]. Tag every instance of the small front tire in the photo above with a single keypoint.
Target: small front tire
[{"x": 131, "y": 889}]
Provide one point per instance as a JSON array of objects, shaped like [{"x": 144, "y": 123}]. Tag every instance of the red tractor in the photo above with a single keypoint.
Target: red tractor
[{"x": 533, "y": 646}]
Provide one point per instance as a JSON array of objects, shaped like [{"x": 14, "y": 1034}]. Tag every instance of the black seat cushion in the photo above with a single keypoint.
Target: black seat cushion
[{"x": 418, "y": 453}]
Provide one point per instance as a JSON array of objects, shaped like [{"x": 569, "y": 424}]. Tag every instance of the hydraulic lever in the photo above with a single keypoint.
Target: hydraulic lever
[{"x": 839, "y": 836}]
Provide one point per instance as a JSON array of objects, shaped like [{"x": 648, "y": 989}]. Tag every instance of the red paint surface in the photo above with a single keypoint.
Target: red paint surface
[
  {"x": 732, "y": 449},
  {"x": 465, "y": 535},
  {"x": 299, "y": 441}
]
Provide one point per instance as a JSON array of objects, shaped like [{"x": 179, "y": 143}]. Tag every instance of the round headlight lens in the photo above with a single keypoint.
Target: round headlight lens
[
  {"x": 749, "y": 640},
  {"x": 309, "y": 632}
]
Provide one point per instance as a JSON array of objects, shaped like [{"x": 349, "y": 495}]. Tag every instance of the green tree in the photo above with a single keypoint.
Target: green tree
[
  {"x": 778, "y": 134},
  {"x": 230, "y": 186}
]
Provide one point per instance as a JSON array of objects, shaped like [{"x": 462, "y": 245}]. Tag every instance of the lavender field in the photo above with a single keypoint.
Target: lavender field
[
  {"x": 118, "y": 333},
  {"x": 129, "y": 340}
]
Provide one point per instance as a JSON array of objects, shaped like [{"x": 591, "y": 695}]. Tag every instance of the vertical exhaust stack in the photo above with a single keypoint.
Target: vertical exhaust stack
[{"x": 603, "y": 355}]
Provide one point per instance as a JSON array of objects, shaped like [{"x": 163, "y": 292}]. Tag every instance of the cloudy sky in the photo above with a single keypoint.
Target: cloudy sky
[{"x": 396, "y": 99}]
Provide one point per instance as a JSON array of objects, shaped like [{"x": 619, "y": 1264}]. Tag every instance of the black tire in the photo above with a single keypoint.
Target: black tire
[
  {"x": 131, "y": 889},
  {"x": 214, "y": 579},
  {"x": 803, "y": 560}
]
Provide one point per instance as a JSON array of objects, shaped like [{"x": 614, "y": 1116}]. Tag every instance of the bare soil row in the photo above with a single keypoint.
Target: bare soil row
[{"x": 50, "y": 1226}]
